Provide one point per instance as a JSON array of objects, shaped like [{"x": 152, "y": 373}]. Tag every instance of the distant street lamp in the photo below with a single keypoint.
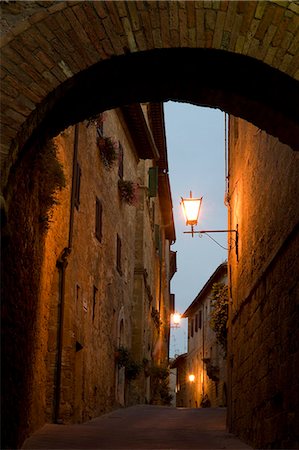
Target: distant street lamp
[
  {"x": 176, "y": 320},
  {"x": 191, "y": 378},
  {"x": 191, "y": 208}
]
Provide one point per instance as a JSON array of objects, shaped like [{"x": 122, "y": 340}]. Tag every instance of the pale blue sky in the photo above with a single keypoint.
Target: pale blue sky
[{"x": 195, "y": 143}]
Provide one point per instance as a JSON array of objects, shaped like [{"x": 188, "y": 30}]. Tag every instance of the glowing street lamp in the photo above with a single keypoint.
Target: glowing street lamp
[
  {"x": 176, "y": 320},
  {"x": 191, "y": 208},
  {"x": 191, "y": 378}
]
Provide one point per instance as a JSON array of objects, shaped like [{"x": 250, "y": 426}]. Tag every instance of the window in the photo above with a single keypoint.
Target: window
[
  {"x": 77, "y": 293},
  {"x": 153, "y": 214},
  {"x": 171, "y": 303},
  {"x": 158, "y": 240},
  {"x": 118, "y": 254},
  {"x": 196, "y": 323},
  {"x": 77, "y": 185},
  {"x": 199, "y": 320},
  {"x": 192, "y": 327},
  {"x": 153, "y": 181},
  {"x": 98, "y": 224},
  {"x": 94, "y": 299},
  {"x": 120, "y": 161}
]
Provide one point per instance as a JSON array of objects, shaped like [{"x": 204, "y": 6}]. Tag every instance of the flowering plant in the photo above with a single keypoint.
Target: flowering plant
[
  {"x": 97, "y": 120},
  {"x": 219, "y": 313},
  {"x": 128, "y": 191},
  {"x": 108, "y": 147},
  {"x": 156, "y": 317},
  {"x": 124, "y": 359}
]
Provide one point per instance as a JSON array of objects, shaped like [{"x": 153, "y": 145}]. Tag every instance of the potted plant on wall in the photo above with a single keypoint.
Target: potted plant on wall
[
  {"x": 97, "y": 120},
  {"x": 128, "y": 191},
  {"x": 108, "y": 148},
  {"x": 124, "y": 359},
  {"x": 219, "y": 314},
  {"x": 156, "y": 317}
]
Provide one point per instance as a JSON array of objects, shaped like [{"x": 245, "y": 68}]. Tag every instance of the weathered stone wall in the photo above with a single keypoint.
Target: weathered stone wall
[
  {"x": 95, "y": 306},
  {"x": 95, "y": 291},
  {"x": 180, "y": 365},
  {"x": 24, "y": 316},
  {"x": 202, "y": 344},
  {"x": 151, "y": 289},
  {"x": 263, "y": 329}
]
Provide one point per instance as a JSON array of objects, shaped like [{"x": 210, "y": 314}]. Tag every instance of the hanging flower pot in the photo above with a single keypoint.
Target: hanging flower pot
[
  {"x": 124, "y": 359},
  {"x": 128, "y": 191},
  {"x": 108, "y": 148},
  {"x": 97, "y": 120}
]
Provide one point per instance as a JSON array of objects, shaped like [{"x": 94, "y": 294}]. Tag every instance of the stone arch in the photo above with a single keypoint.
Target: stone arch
[
  {"x": 49, "y": 49},
  {"x": 240, "y": 56}
]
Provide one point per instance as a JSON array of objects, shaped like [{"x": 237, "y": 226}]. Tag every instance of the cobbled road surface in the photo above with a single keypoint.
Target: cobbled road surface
[{"x": 142, "y": 427}]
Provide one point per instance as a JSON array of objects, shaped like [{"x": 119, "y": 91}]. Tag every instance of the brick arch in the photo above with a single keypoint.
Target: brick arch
[{"x": 239, "y": 56}]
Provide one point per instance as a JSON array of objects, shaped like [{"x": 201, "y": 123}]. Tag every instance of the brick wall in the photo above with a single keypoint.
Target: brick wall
[{"x": 44, "y": 45}]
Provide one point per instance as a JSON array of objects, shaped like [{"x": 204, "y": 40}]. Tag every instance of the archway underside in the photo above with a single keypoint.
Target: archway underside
[
  {"x": 246, "y": 88},
  {"x": 64, "y": 61}
]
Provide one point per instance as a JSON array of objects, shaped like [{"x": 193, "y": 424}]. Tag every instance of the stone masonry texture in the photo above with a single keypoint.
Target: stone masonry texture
[
  {"x": 100, "y": 299},
  {"x": 62, "y": 62},
  {"x": 263, "y": 329}
]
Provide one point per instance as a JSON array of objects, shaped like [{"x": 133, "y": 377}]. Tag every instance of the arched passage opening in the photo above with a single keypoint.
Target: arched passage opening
[
  {"x": 237, "y": 84},
  {"x": 245, "y": 89}
]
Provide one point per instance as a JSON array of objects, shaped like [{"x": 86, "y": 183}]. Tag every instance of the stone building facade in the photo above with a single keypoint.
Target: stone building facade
[
  {"x": 179, "y": 364},
  {"x": 205, "y": 359},
  {"x": 98, "y": 278},
  {"x": 103, "y": 267},
  {"x": 263, "y": 352}
]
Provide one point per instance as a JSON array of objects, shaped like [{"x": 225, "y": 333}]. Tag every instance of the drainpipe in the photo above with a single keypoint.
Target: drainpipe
[
  {"x": 61, "y": 265},
  {"x": 229, "y": 358}
]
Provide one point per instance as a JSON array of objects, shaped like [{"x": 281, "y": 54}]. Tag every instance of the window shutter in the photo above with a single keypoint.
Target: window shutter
[
  {"x": 98, "y": 227},
  {"x": 196, "y": 323},
  {"x": 118, "y": 255},
  {"x": 157, "y": 236},
  {"x": 77, "y": 186},
  {"x": 199, "y": 320},
  {"x": 158, "y": 240},
  {"x": 120, "y": 161},
  {"x": 172, "y": 303},
  {"x": 153, "y": 181},
  {"x": 95, "y": 290}
]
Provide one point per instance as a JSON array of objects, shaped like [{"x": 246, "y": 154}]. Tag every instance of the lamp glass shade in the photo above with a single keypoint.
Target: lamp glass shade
[{"x": 191, "y": 207}]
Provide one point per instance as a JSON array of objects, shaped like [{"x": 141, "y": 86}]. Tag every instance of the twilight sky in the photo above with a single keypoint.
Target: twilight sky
[{"x": 195, "y": 142}]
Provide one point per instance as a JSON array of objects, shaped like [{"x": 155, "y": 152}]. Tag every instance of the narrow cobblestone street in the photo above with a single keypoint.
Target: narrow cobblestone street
[{"x": 142, "y": 427}]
